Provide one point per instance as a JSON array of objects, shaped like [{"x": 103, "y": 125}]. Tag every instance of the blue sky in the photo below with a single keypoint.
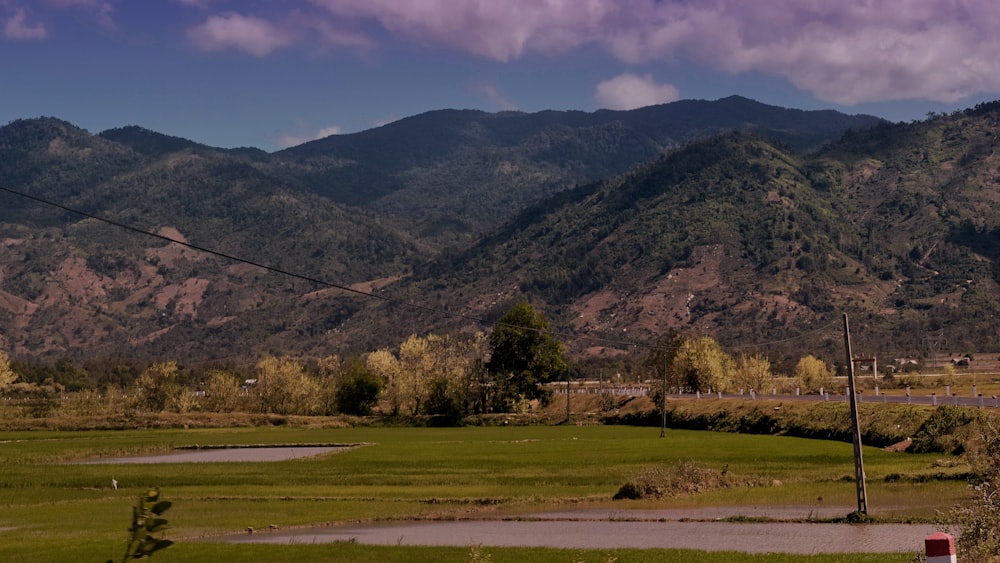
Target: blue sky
[{"x": 273, "y": 73}]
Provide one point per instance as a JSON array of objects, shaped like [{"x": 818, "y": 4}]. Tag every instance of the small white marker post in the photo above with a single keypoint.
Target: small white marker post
[{"x": 940, "y": 548}]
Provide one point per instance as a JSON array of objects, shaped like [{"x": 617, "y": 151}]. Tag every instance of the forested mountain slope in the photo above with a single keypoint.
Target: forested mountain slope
[
  {"x": 899, "y": 226},
  {"x": 456, "y": 174},
  {"x": 735, "y": 235}
]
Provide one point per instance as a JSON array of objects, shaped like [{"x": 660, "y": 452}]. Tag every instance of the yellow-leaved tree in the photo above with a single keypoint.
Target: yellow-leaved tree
[
  {"x": 385, "y": 365},
  {"x": 222, "y": 392},
  {"x": 703, "y": 365},
  {"x": 283, "y": 387},
  {"x": 752, "y": 371},
  {"x": 7, "y": 374},
  {"x": 812, "y": 373}
]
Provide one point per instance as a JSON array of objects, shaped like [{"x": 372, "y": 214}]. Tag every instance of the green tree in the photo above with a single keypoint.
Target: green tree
[
  {"x": 358, "y": 391},
  {"x": 523, "y": 355},
  {"x": 978, "y": 519}
]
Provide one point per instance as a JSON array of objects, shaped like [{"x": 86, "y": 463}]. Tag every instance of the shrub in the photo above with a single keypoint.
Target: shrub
[{"x": 687, "y": 477}]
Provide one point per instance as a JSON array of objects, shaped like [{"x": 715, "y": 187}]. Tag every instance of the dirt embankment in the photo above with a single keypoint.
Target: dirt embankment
[{"x": 918, "y": 428}]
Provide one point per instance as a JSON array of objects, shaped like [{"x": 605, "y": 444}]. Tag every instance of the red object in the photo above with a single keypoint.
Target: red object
[{"x": 939, "y": 545}]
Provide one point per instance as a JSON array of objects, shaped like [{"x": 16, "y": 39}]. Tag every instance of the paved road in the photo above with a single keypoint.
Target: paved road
[
  {"x": 914, "y": 398},
  {"x": 982, "y": 402}
]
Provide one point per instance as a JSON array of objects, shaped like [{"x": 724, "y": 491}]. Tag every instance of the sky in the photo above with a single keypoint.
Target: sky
[{"x": 275, "y": 73}]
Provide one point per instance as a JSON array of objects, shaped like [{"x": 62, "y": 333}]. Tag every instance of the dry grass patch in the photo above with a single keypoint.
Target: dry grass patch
[{"x": 685, "y": 478}]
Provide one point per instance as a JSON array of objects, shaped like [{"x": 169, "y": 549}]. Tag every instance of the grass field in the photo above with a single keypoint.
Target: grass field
[{"x": 54, "y": 510}]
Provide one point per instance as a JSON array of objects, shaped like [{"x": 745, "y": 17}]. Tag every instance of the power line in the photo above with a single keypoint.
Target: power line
[{"x": 332, "y": 285}]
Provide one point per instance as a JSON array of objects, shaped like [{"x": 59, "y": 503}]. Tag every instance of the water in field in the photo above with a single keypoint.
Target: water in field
[
  {"x": 707, "y": 528},
  {"x": 749, "y": 537},
  {"x": 214, "y": 455}
]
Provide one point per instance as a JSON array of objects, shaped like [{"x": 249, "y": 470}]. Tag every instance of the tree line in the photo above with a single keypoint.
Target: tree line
[{"x": 445, "y": 375}]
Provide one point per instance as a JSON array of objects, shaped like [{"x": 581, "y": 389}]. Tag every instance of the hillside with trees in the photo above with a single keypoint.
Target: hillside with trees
[
  {"x": 741, "y": 239},
  {"x": 740, "y": 235}
]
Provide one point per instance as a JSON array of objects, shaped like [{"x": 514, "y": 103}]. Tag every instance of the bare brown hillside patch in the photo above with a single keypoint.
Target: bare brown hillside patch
[{"x": 665, "y": 303}]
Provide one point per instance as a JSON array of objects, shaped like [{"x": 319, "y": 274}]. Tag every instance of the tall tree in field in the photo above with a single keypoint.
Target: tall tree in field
[
  {"x": 812, "y": 373},
  {"x": 283, "y": 387},
  {"x": 753, "y": 371},
  {"x": 523, "y": 355},
  {"x": 7, "y": 375},
  {"x": 703, "y": 365},
  {"x": 159, "y": 386},
  {"x": 222, "y": 392},
  {"x": 359, "y": 388},
  {"x": 416, "y": 367},
  {"x": 388, "y": 367}
]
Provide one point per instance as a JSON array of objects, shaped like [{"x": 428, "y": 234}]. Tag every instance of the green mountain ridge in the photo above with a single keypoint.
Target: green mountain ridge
[
  {"x": 619, "y": 225},
  {"x": 736, "y": 238}
]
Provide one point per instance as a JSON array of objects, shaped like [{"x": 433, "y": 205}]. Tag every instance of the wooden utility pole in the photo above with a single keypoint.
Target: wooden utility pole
[
  {"x": 568, "y": 411},
  {"x": 663, "y": 402},
  {"x": 859, "y": 464}
]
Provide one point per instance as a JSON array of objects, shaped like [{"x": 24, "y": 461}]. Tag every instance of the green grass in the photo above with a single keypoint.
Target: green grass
[{"x": 60, "y": 511}]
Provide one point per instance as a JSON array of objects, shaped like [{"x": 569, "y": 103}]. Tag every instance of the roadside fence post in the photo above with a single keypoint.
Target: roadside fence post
[{"x": 940, "y": 548}]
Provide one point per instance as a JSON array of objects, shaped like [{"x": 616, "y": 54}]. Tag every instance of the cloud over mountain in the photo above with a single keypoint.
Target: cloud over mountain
[{"x": 845, "y": 52}]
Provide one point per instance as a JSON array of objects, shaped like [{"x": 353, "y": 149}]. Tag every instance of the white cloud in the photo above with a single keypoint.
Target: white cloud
[
  {"x": 17, "y": 27},
  {"x": 849, "y": 51},
  {"x": 501, "y": 30},
  {"x": 256, "y": 36},
  {"x": 630, "y": 91},
  {"x": 286, "y": 140}
]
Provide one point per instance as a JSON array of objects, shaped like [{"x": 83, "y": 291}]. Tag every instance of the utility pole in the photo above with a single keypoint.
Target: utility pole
[
  {"x": 663, "y": 402},
  {"x": 568, "y": 413},
  {"x": 859, "y": 464}
]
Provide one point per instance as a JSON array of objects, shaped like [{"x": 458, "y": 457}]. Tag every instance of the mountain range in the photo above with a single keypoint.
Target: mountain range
[{"x": 754, "y": 224}]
